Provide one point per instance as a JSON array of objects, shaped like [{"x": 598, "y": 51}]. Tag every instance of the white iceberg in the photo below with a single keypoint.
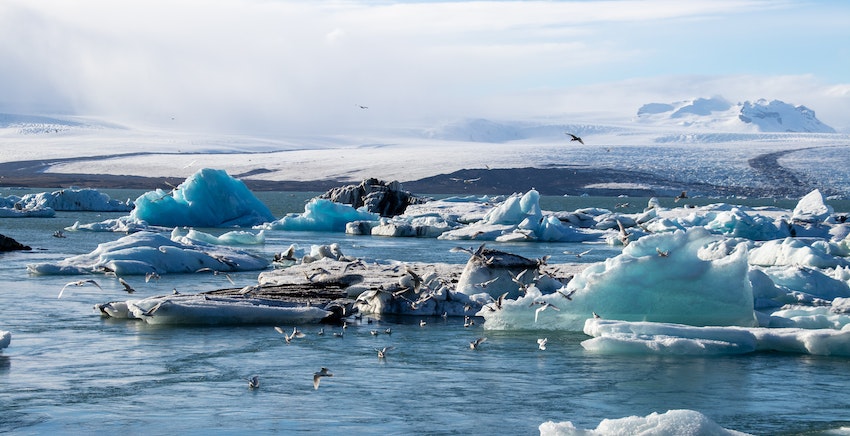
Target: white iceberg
[
  {"x": 203, "y": 309},
  {"x": 146, "y": 252},
  {"x": 672, "y": 422},
  {"x": 75, "y": 199},
  {"x": 321, "y": 215},
  {"x": 621, "y": 337}
]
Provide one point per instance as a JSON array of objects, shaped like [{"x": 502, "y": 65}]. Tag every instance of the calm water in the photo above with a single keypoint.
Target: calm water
[{"x": 67, "y": 370}]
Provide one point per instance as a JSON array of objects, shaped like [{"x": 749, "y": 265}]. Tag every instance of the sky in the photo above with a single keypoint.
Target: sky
[{"x": 273, "y": 67}]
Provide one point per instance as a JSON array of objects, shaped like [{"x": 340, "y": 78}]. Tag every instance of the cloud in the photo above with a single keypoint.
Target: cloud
[{"x": 273, "y": 67}]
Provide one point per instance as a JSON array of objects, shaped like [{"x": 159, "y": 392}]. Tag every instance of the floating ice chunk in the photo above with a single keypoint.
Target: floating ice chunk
[
  {"x": 144, "y": 252},
  {"x": 672, "y": 422},
  {"x": 812, "y": 208},
  {"x": 75, "y": 200},
  {"x": 215, "y": 310},
  {"x": 812, "y": 282},
  {"x": 737, "y": 223},
  {"x": 618, "y": 337},
  {"x": 321, "y": 215},
  {"x": 38, "y": 212},
  {"x": 835, "y": 316},
  {"x": 519, "y": 218},
  {"x": 796, "y": 251},
  {"x": 208, "y": 198},
  {"x": 5, "y": 339},
  {"x": 669, "y": 277},
  {"x": 666, "y": 338},
  {"x": 234, "y": 237}
]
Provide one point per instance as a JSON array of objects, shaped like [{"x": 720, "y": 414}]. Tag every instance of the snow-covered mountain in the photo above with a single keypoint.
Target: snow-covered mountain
[{"x": 718, "y": 114}]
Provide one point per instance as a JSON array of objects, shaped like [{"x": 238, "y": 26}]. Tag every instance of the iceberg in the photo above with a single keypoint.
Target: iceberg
[
  {"x": 690, "y": 277},
  {"x": 519, "y": 218},
  {"x": 204, "y": 309},
  {"x": 208, "y": 198},
  {"x": 321, "y": 215},
  {"x": 75, "y": 199},
  {"x": 147, "y": 252},
  {"x": 623, "y": 337},
  {"x": 672, "y": 422}
]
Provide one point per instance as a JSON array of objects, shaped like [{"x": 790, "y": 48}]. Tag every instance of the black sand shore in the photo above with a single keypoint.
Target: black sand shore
[{"x": 560, "y": 180}]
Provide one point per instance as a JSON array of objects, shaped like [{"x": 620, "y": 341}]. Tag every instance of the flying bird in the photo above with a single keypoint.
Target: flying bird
[
  {"x": 541, "y": 343},
  {"x": 382, "y": 352},
  {"x": 317, "y": 376},
  {"x": 543, "y": 306},
  {"x": 79, "y": 283},
  {"x": 253, "y": 382},
  {"x": 474, "y": 344},
  {"x": 288, "y": 338},
  {"x": 126, "y": 285},
  {"x": 681, "y": 196},
  {"x": 575, "y": 138}
]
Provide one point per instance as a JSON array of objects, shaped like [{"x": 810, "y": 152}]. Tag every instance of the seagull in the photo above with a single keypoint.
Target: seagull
[
  {"x": 58, "y": 234},
  {"x": 215, "y": 273},
  {"x": 153, "y": 275},
  {"x": 483, "y": 285},
  {"x": 422, "y": 323},
  {"x": 543, "y": 306},
  {"x": 575, "y": 138},
  {"x": 382, "y": 353},
  {"x": 288, "y": 338},
  {"x": 126, "y": 285},
  {"x": 153, "y": 309},
  {"x": 253, "y": 382},
  {"x": 596, "y": 315},
  {"x": 317, "y": 376},
  {"x": 79, "y": 283},
  {"x": 541, "y": 343},
  {"x": 468, "y": 322},
  {"x": 579, "y": 255},
  {"x": 388, "y": 331},
  {"x": 662, "y": 253},
  {"x": 474, "y": 344},
  {"x": 681, "y": 196},
  {"x": 362, "y": 107},
  {"x": 321, "y": 331}
]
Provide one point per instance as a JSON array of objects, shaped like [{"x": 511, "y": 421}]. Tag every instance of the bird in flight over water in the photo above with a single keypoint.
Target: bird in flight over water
[{"x": 575, "y": 138}]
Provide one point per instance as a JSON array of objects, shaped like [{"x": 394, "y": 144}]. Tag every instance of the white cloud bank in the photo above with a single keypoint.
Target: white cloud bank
[{"x": 272, "y": 67}]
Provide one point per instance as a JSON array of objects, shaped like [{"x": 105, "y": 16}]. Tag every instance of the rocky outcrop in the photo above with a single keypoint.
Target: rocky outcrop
[
  {"x": 9, "y": 244},
  {"x": 385, "y": 199}
]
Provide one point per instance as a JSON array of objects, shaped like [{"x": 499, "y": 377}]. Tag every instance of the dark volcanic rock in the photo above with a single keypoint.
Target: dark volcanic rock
[
  {"x": 386, "y": 199},
  {"x": 9, "y": 244}
]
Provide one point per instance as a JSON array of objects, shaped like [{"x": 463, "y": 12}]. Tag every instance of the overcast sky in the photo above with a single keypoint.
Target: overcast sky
[{"x": 275, "y": 67}]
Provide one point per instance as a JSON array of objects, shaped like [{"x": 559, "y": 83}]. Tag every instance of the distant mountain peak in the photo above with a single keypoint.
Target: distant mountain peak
[{"x": 716, "y": 113}]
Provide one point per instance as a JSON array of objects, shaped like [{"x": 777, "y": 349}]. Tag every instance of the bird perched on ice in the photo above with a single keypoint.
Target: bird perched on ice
[
  {"x": 474, "y": 344},
  {"x": 541, "y": 343},
  {"x": 317, "y": 377},
  {"x": 78, "y": 283},
  {"x": 254, "y": 382},
  {"x": 575, "y": 138}
]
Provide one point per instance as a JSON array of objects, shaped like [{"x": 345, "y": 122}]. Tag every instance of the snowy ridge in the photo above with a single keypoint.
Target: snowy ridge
[{"x": 718, "y": 114}]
